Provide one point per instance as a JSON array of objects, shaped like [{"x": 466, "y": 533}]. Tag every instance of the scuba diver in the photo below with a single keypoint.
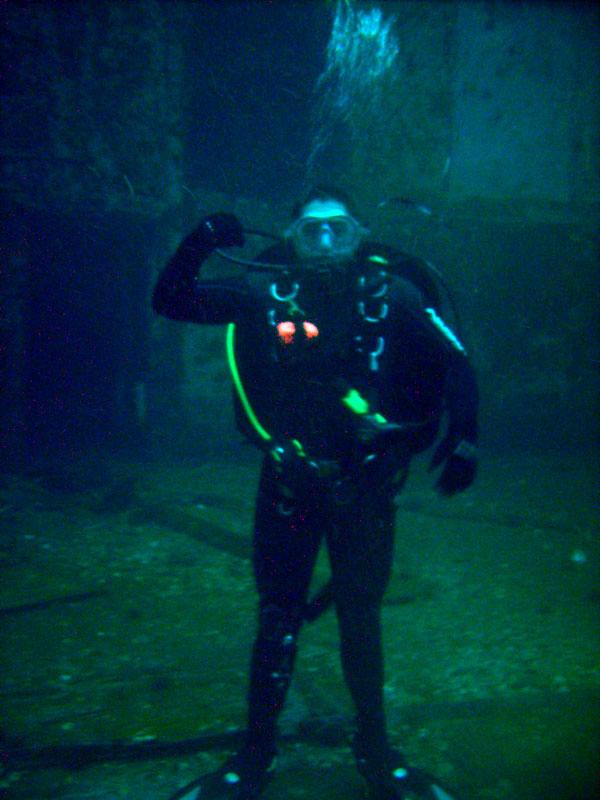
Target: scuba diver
[{"x": 343, "y": 369}]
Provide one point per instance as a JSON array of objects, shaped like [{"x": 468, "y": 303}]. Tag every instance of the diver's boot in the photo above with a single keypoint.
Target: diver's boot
[
  {"x": 389, "y": 777},
  {"x": 243, "y": 776}
]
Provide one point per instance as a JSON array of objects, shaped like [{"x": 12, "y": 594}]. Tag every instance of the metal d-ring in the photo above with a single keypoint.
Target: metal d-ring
[
  {"x": 374, "y": 354},
  {"x": 383, "y": 312},
  {"x": 284, "y": 298}
]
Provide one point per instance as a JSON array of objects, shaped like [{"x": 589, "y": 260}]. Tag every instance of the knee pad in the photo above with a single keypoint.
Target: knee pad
[
  {"x": 279, "y": 625},
  {"x": 276, "y": 644}
]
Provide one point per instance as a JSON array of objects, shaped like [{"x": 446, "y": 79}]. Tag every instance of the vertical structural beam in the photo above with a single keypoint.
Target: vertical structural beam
[
  {"x": 14, "y": 256},
  {"x": 163, "y": 412}
]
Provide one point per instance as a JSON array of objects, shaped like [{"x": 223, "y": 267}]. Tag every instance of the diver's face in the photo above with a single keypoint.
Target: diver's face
[{"x": 325, "y": 234}]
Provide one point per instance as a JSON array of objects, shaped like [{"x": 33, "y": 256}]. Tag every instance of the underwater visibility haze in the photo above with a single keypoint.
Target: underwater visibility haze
[{"x": 459, "y": 144}]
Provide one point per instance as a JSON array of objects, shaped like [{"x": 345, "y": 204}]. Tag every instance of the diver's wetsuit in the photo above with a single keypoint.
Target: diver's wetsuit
[{"x": 356, "y": 330}]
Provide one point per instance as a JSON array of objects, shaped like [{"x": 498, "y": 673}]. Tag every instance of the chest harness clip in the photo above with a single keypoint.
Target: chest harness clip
[{"x": 372, "y": 307}]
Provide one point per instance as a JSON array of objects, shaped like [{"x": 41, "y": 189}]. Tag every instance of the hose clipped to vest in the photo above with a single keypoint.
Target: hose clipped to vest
[{"x": 239, "y": 386}]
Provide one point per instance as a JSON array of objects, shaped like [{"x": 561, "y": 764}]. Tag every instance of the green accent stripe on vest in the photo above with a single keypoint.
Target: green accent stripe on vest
[
  {"x": 239, "y": 386},
  {"x": 356, "y": 402},
  {"x": 375, "y": 259}
]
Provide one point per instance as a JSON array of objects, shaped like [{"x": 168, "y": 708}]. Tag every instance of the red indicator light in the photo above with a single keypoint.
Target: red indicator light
[
  {"x": 286, "y": 331},
  {"x": 310, "y": 329}
]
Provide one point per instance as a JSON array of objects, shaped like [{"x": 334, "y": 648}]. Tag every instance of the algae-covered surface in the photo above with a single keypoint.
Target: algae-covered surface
[{"x": 128, "y": 611}]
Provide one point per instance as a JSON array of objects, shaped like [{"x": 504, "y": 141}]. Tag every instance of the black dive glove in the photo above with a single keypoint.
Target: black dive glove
[
  {"x": 217, "y": 230},
  {"x": 460, "y": 464},
  {"x": 175, "y": 291}
]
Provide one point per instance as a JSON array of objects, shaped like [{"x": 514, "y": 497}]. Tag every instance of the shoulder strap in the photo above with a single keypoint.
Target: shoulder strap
[{"x": 422, "y": 274}]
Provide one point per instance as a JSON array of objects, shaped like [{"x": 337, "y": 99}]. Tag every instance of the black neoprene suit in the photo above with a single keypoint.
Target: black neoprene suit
[{"x": 295, "y": 389}]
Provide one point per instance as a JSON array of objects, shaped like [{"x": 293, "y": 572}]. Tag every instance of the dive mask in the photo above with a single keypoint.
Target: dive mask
[{"x": 325, "y": 238}]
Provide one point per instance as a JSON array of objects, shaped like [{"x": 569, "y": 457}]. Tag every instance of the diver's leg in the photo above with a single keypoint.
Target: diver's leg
[
  {"x": 285, "y": 550},
  {"x": 286, "y": 543},
  {"x": 361, "y": 552}
]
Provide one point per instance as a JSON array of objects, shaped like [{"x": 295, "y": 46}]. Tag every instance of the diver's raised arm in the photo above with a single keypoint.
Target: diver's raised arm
[{"x": 179, "y": 295}]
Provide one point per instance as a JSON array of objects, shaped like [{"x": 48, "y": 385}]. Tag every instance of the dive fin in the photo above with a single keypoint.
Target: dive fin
[
  {"x": 412, "y": 783},
  {"x": 226, "y": 784},
  {"x": 426, "y": 787},
  {"x": 440, "y": 794},
  {"x": 192, "y": 791}
]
